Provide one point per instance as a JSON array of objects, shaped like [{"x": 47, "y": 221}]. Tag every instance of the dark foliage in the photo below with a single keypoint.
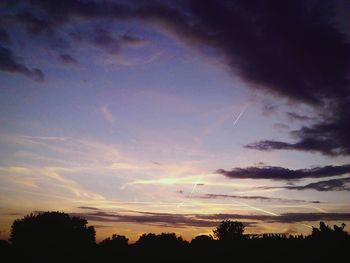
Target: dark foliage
[
  {"x": 52, "y": 235},
  {"x": 229, "y": 230},
  {"x": 58, "y": 237}
]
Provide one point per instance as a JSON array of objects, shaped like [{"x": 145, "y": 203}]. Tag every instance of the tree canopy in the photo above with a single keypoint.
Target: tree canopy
[
  {"x": 229, "y": 230},
  {"x": 53, "y": 233}
]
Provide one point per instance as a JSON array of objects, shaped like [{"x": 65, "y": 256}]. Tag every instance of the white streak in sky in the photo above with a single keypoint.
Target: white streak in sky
[
  {"x": 257, "y": 209},
  {"x": 193, "y": 188},
  {"x": 240, "y": 115}
]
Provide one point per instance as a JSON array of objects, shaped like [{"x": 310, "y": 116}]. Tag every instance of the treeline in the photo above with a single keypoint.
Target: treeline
[{"x": 58, "y": 237}]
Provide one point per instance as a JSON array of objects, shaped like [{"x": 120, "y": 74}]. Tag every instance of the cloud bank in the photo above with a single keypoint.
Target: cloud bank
[
  {"x": 207, "y": 220},
  {"x": 339, "y": 184},
  {"x": 281, "y": 173},
  {"x": 251, "y": 197}
]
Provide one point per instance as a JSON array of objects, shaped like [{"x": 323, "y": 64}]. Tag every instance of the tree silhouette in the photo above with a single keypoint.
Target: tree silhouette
[
  {"x": 162, "y": 247},
  {"x": 115, "y": 241},
  {"x": 113, "y": 248},
  {"x": 57, "y": 237},
  {"x": 326, "y": 232},
  {"x": 52, "y": 234},
  {"x": 161, "y": 240},
  {"x": 202, "y": 241},
  {"x": 229, "y": 230}
]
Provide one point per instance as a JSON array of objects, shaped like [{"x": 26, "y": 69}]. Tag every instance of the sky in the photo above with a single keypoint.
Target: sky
[{"x": 171, "y": 116}]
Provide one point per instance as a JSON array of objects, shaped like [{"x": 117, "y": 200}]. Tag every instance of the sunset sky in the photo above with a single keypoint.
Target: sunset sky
[{"x": 171, "y": 116}]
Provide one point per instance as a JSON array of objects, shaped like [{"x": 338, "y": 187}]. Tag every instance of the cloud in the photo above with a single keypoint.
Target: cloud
[
  {"x": 104, "y": 39},
  {"x": 9, "y": 63},
  {"x": 281, "y": 173},
  {"x": 283, "y": 218},
  {"x": 251, "y": 197},
  {"x": 328, "y": 137},
  {"x": 88, "y": 208},
  {"x": 262, "y": 41},
  {"x": 35, "y": 25},
  {"x": 293, "y": 116},
  {"x": 339, "y": 184},
  {"x": 107, "y": 114},
  {"x": 297, "y": 50},
  {"x": 132, "y": 41},
  {"x": 4, "y": 36},
  {"x": 160, "y": 219},
  {"x": 39, "y": 179},
  {"x": 68, "y": 59},
  {"x": 44, "y": 138},
  {"x": 207, "y": 220},
  {"x": 281, "y": 126}
]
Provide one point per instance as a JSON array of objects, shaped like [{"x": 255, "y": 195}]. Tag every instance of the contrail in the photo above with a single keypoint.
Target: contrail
[
  {"x": 257, "y": 209},
  {"x": 193, "y": 188},
  {"x": 240, "y": 115},
  {"x": 253, "y": 207},
  {"x": 195, "y": 185}
]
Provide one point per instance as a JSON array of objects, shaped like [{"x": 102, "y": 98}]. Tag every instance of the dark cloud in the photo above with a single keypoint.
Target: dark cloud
[
  {"x": 104, "y": 39},
  {"x": 132, "y": 40},
  {"x": 281, "y": 173},
  {"x": 288, "y": 49},
  {"x": 101, "y": 226},
  {"x": 35, "y": 25},
  {"x": 339, "y": 184},
  {"x": 293, "y": 49},
  {"x": 9, "y": 63},
  {"x": 260, "y": 164},
  {"x": 251, "y": 197},
  {"x": 283, "y": 218},
  {"x": 292, "y": 116},
  {"x": 159, "y": 219},
  {"x": 208, "y": 220},
  {"x": 68, "y": 59},
  {"x": 88, "y": 208},
  {"x": 329, "y": 137},
  {"x": 4, "y": 36}
]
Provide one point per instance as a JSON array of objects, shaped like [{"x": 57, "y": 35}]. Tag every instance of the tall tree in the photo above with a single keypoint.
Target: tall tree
[{"x": 229, "y": 230}]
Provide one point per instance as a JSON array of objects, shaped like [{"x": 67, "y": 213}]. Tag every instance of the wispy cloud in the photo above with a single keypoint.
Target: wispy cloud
[
  {"x": 42, "y": 179},
  {"x": 177, "y": 180},
  {"x": 251, "y": 197},
  {"x": 107, "y": 114},
  {"x": 48, "y": 138}
]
